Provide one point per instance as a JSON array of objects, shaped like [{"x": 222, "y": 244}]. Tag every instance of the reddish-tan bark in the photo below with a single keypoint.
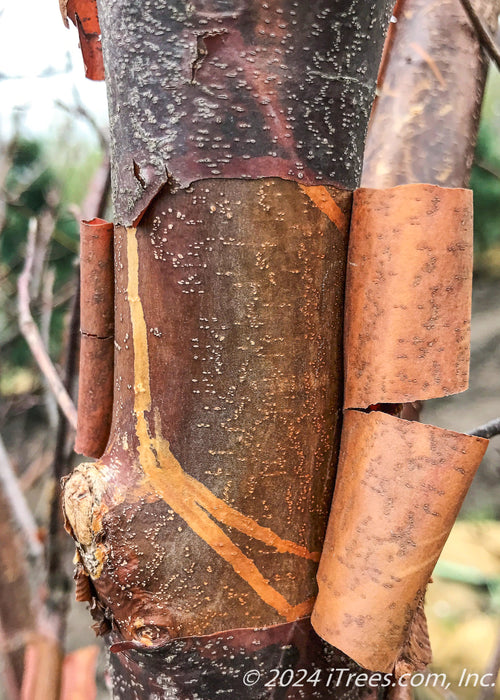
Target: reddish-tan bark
[
  {"x": 408, "y": 295},
  {"x": 399, "y": 488},
  {"x": 95, "y": 397}
]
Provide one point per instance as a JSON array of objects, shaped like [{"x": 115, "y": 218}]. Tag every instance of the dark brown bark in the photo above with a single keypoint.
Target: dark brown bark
[
  {"x": 208, "y": 510},
  {"x": 240, "y": 88}
]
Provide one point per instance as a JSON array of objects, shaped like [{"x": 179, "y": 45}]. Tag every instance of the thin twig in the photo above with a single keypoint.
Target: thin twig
[
  {"x": 488, "y": 693},
  {"x": 20, "y": 510},
  {"x": 79, "y": 110},
  {"x": 483, "y": 33},
  {"x": 488, "y": 430},
  {"x": 487, "y": 169},
  {"x": 45, "y": 321},
  {"x": 32, "y": 335},
  {"x": 46, "y": 223}
]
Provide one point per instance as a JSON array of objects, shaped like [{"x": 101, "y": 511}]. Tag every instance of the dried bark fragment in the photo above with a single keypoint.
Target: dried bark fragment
[
  {"x": 408, "y": 295},
  {"x": 233, "y": 89},
  {"x": 95, "y": 396},
  {"x": 399, "y": 488},
  {"x": 221, "y": 463},
  {"x": 83, "y": 14}
]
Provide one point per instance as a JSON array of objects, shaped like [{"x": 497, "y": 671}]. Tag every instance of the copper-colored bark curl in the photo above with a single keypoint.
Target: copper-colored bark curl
[
  {"x": 95, "y": 398},
  {"x": 83, "y": 14},
  {"x": 400, "y": 485},
  {"x": 96, "y": 260},
  {"x": 409, "y": 283},
  {"x": 95, "y": 395}
]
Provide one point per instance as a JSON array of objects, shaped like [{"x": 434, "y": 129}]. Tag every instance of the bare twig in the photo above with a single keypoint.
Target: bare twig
[
  {"x": 483, "y": 33},
  {"x": 20, "y": 510},
  {"x": 488, "y": 693},
  {"x": 45, "y": 227},
  {"x": 487, "y": 169},
  {"x": 488, "y": 430},
  {"x": 35, "y": 471},
  {"x": 32, "y": 334},
  {"x": 45, "y": 320},
  {"x": 79, "y": 110}
]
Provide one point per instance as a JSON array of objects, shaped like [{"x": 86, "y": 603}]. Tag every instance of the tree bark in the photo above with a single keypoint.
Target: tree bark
[
  {"x": 237, "y": 133},
  {"x": 426, "y": 115}
]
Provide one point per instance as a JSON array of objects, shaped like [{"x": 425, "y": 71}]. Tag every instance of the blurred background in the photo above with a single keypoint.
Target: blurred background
[{"x": 53, "y": 150}]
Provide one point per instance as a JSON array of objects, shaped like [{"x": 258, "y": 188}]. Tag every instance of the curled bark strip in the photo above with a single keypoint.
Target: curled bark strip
[
  {"x": 399, "y": 488},
  {"x": 97, "y": 285},
  {"x": 408, "y": 295},
  {"x": 95, "y": 397},
  {"x": 83, "y": 14},
  {"x": 238, "y": 92}
]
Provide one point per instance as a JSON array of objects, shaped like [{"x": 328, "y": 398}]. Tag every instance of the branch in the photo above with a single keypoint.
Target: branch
[
  {"x": 20, "y": 510},
  {"x": 488, "y": 430},
  {"x": 483, "y": 33},
  {"x": 79, "y": 110},
  {"x": 488, "y": 693},
  {"x": 33, "y": 337}
]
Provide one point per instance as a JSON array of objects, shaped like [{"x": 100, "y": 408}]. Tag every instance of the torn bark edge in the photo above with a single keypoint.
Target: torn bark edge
[
  {"x": 83, "y": 14},
  {"x": 95, "y": 396}
]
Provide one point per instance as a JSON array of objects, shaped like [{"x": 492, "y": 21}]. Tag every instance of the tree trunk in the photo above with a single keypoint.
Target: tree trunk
[
  {"x": 237, "y": 135},
  {"x": 426, "y": 115}
]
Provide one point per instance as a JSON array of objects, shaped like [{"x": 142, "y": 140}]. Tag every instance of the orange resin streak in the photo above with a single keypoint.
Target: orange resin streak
[
  {"x": 325, "y": 203},
  {"x": 189, "y": 498}
]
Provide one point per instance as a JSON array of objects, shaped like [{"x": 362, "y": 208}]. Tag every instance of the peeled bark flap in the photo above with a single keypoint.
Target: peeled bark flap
[
  {"x": 83, "y": 14},
  {"x": 408, "y": 295},
  {"x": 95, "y": 395},
  {"x": 239, "y": 88},
  {"x": 399, "y": 488},
  {"x": 97, "y": 287}
]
